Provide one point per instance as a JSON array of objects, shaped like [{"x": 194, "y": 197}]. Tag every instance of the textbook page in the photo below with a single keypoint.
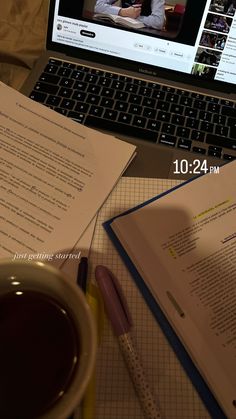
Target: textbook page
[
  {"x": 184, "y": 247},
  {"x": 121, "y": 20},
  {"x": 55, "y": 175}
]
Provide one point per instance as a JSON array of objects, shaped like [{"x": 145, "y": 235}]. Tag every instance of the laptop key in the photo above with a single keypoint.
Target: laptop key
[
  {"x": 213, "y": 107},
  {"x": 192, "y": 123},
  {"x": 149, "y": 113},
  {"x": 131, "y": 88},
  {"x": 226, "y": 102},
  {"x": 213, "y": 139},
  {"x": 214, "y": 151},
  {"x": 158, "y": 94},
  {"x": 92, "y": 88},
  {"x": 167, "y": 139},
  {"x": 107, "y": 103},
  {"x": 122, "y": 128},
  {"x": 219, "y": 119},
  {"x": 107, "y": 92},
  {"x": 46, "y": 88},
  {"x": 111, "y": 75},
  {"x": 80, "y": 96},
  {"x": 81, "y": 107},
  {"x": 149, "y": 102},
  {"x": 232, "y": 122},
  {"x": 232, "y": 132},
  {"x": 110, "y": 114},
  {"x": 184, "y": 143},
  {"x": 178, "y": 119},
  {"x": 199, "y": 104},
  {"x": 183, "y": 132},
  {"x": 64, "y": 82},
  {"x": 53, "y": 100},
  {"x": 154, "y": 86},
  {"x": 97, "y": 72},
  {"x": 135, "y": 99},
  {"x": 168, "y": 89},
  {"x": 139, "y": 121},
  {"x": 153, "y": 125},
  {"x": 182, "y": 92},
  {"x": 164, "y": 106},
  {"x": 61, "y": 111},
  {"x": 125, "y": 118},
  {"x": 38, "y": 96},
  {"x": 64, "y": 92},
  {"x": 206, "y": 126},
  {"x": 91, "y": 78},
  {"x": 205, "y": 116},
  {"x": 93, "y": 99},
  {"x": 55, "y": 61},
  {"x": 76, "y": 116},
  {"x": 65, "y": 72},
  {"x": 140, "y": 82},
  {"x": 117, "y": 85},
  {"x": 121, "y": 95},
  {"x": 67, "y": 104},
  {"x": 212, "y": 99},
  {"x": 221, "y": 130},
  {"x": 163, "y": 116},
  {"x": 186, "y": 101},
  {"x": 192, "y": 113},
  {"x": 144, "y": 91},
  {"x": 228, "y": 157},
  {"x": 228, "y": 111},
  {"x": 68, "y": 65},
  {"x": 104, "y": 81},
  {"x": 168, "y": 128},
  {"x": 80, "y": 85},
  {"x": 51, "y": 68},
  {"x": 172, "y": 97},
  {"x": 96, "y": 110},
  {"x": 121, "y": 106},
  {"x": 126, "y": 79},
  {"x": 199, "y": 150},
  {"x": 197, "y": 135},
  {"x": 198, "y": 96},
  {"x": 77, "y": 75},
  {"x": 49, "y": 78},
  {"x": 179, "y": 109},
  {"x": 135, "y": 109}
]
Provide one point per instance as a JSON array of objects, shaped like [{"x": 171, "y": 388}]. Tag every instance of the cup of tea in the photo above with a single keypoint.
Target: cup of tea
[{"x": 47, "y": 342}]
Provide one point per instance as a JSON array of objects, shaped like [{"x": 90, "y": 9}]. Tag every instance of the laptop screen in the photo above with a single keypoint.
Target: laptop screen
[{"x": 192, "y": 37}]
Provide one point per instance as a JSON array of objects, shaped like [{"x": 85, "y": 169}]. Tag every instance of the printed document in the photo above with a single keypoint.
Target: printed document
[{"x": 55, "y": 175}]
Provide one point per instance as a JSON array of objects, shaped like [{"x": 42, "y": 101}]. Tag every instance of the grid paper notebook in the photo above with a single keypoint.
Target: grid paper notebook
[{"x": 116, "y": 398}]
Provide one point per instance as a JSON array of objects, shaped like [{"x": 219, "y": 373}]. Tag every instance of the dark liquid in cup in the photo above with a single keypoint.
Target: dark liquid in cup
[{"x": 39, "y": 351}]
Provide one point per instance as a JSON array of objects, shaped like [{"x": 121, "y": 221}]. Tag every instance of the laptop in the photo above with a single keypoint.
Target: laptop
[{"x": 168, "y": 88}]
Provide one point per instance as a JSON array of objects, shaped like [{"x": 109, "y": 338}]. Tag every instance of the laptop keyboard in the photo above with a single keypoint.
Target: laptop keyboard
[{"x": 150, "y": 111}]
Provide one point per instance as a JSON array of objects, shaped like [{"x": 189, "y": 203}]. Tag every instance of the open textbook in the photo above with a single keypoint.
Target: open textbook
[
  {"x": 182, "y": 245},
  {"x": 120, "y": 20},
  {"x": 55, "y": 175}
]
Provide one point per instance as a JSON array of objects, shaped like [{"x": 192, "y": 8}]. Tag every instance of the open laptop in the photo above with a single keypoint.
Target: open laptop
[{"x": 171, "y": 90}]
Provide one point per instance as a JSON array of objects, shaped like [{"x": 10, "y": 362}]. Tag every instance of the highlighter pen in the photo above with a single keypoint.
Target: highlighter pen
[{"x": 117, "y": 311}]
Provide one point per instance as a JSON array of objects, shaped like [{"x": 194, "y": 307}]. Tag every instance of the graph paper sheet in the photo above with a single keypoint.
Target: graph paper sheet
[{"x": 115, "y": 396}]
